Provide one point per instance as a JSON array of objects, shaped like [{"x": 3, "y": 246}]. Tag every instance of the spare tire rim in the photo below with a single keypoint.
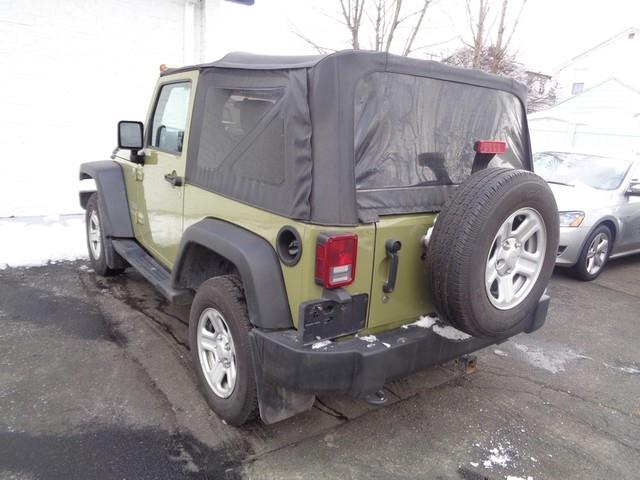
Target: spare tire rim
[
  {"x": 216, "y": 352},
  {"x": 515, "y": 258}
]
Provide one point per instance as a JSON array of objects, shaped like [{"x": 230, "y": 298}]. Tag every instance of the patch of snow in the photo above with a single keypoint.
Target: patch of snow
[
  {"x": 386, "y": 345},
  {"x": 425, "y": 321},
  {"x": 445, "y": 331},
  {"x": 625, "y": 369},
  {"x": 319, "y": 345},
  {"x": 553, "y": 359},
  {"x": 474, "y": 464},
  {"x": 500, "y": 353},
  {"x": 511, "y": 477},
  {"x": 450, "y": 333},
  {"x": 499, "y": 456},
  {"x": 368, "y": 338},
  {"x": 35, "y": 241}
]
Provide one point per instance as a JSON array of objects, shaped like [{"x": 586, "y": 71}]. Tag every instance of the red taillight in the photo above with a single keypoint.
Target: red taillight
[
  {"x": 336, "y": 259},
  {"x": 490, "y": 146}
]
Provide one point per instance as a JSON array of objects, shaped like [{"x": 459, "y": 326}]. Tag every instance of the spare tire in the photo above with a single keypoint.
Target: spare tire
[{"x": 492, "y": 251}]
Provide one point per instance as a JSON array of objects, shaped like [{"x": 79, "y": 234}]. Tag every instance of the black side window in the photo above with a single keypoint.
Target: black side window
[
  {"x": 170, "y": 117},
  {"x": 244, "y": 130}
]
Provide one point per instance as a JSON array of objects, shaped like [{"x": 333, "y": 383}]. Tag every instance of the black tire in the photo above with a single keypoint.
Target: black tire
[
  {"x": 99, "y": 261},
  {"x": 463, "y": 237},
  {"x": 225, "y": 295},
  {"x": 580, "y": 269}
]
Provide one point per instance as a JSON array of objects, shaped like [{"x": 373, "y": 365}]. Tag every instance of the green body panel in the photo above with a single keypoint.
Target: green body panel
[
  {"x": 409, "y": 299},
  {"x": 158, "y": 217},
  {"x": 299, "y": 279}
]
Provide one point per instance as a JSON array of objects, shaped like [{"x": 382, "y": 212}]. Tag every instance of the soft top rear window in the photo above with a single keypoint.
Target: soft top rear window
[{"x": 414, "y": 131}]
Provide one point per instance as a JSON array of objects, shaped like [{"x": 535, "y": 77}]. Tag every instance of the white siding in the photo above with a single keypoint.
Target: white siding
[
  {"x": 618, "y": 58},
  {"x": 69, "y": 70},
  {"x": 604, "y": 119}
]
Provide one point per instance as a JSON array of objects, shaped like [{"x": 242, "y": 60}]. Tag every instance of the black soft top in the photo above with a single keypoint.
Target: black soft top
[
  {"x": 366, "y": 60},
  {"x": 319, "y": 116}
]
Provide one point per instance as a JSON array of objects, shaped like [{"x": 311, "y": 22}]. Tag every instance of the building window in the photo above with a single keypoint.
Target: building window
[{"x": 577, "y": 88}]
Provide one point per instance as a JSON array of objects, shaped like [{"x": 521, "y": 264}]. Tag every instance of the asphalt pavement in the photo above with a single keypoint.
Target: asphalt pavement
[{"x": 95, "y": 383}]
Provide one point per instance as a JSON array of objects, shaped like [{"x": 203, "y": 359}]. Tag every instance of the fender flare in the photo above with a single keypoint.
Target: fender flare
[
  {"x": 109, "y": 179},
  {"x": 256, "y": 262}
]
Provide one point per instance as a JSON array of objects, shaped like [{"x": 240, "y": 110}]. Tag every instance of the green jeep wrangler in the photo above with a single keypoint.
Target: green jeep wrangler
[{"x": 292, "y": 202}]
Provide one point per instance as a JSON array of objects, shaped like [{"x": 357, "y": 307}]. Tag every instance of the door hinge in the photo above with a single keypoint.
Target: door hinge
[
  {"x": 139, "y": 218},
  {"x": 139, "y": 174}
]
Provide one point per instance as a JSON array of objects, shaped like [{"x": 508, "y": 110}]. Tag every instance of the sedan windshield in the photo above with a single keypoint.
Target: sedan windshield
[{"x": 577, "y": 169}]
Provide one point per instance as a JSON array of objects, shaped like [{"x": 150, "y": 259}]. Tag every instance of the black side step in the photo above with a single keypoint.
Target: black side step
[{"x": 150, "y": 269}]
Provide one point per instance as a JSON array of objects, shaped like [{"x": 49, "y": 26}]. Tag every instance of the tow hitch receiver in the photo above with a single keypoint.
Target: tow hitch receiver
[{"x": 468, "y": 364}]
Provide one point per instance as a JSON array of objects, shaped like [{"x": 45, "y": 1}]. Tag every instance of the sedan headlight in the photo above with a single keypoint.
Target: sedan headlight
[{"x": 571, "y": 219}]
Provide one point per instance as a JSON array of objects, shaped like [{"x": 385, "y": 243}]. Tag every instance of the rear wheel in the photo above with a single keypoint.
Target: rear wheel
[
  {"x": 492, "y": 251},
  {"x": 96, "y": 240},
  {"x": 219, "y": 341},
  {"x": 594, "y": 255}
]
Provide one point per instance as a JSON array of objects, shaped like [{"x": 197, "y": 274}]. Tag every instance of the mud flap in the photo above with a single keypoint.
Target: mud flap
[{"x": 276, "y": 402}]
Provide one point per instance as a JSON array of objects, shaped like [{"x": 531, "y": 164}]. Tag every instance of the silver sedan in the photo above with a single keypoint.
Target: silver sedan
[{"x": 599, "y": 203}]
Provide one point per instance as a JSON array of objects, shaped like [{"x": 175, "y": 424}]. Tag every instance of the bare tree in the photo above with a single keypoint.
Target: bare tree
[
  {"x": 478, "y": 30},
  {"x": 383, "y": 19},
  {"x": 490, "y": 47},
  {"x": 482, "y": 33},
  {"x": 352, "y": 13}
]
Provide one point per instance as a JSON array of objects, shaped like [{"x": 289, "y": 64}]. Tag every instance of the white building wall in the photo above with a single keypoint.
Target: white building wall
[
  {"x": 69, "y": 70},
  {"x": 618, "y": 59},
  {"x": 604, "y": 120}
]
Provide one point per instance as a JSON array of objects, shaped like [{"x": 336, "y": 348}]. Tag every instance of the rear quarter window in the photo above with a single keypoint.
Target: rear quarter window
[{"x": 244, "y": 130}]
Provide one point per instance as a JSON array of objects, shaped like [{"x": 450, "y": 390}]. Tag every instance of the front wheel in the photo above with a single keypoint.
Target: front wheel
[
  {"x": 594, "y": 255},
  {"x": 96, "y": 240},
  {"x": 219, "y": 341}
]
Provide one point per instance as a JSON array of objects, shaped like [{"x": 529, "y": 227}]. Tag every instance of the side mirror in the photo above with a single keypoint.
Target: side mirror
[
  {"x": 634, "y": 189},
  {"x": 130, "y": 137}
]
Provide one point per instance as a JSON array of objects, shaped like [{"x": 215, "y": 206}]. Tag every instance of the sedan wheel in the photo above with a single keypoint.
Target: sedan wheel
[
  {"x": 594, "y": 255},
  {"x": 597, "y": 253}
]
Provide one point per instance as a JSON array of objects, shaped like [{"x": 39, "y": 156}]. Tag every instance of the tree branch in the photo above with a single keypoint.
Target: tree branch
[
  {"x": 394, "y": 25},
  {"x": 412, "y": 36}
]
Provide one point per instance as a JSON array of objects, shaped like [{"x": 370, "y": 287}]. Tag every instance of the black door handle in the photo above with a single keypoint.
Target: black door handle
[
  {"x": 173, "y": 179},
  {"x": 392, "y": 247}
]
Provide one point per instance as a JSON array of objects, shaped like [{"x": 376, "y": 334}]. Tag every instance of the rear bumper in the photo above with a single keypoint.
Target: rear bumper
[{"x": 358, "y": 368}]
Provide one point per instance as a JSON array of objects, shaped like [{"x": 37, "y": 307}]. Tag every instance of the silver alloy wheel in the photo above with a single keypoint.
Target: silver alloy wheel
[
  {"x": 515, "y": 258},
  {"x": 94, "y": 234},
  {"x": 216, "y": 352},
  {"x": 597, "y": 253}
]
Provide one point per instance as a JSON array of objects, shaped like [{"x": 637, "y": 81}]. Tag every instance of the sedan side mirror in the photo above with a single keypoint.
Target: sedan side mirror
[
  {"x": 634, "y": 189},
  {"x": 131, "y": 137}
]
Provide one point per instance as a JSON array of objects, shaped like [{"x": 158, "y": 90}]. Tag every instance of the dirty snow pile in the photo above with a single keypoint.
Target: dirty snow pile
[
  {"x": 445, "y": 331},
  {"x": 34, "y": 241}
]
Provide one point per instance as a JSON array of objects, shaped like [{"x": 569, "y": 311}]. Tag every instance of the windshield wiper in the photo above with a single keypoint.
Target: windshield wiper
[{"x": 560, "y": 183}]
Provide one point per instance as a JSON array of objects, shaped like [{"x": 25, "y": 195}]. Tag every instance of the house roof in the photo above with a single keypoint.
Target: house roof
[
  {"x": 588, "y": 52},
  {"x": 554, "y": 113}
]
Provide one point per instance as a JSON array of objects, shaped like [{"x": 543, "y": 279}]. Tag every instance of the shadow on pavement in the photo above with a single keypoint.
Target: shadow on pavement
[{"x": 113, "y": 453}]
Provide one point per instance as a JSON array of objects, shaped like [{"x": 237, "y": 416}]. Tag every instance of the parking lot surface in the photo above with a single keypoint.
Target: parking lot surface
[{"x": 95, "y": 382}]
